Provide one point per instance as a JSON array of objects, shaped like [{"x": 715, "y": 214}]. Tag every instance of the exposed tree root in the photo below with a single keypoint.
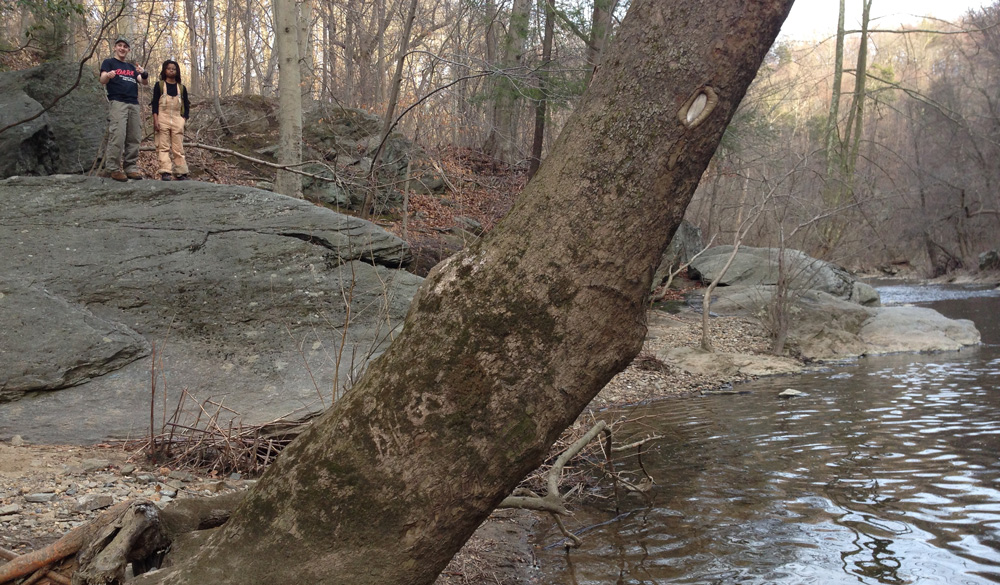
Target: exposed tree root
[
  {"x": 134, "y": 532},
  {"x": 68, "y": 545}
]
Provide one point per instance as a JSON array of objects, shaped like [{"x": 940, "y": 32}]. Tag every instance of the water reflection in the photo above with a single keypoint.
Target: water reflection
[{"x": 885, "y": 471}]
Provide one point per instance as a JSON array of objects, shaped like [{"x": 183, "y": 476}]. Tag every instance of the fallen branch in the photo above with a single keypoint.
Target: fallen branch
[
  {"x": 135, "y": 531},
  {"x": 671, "y": 274},
  {"x": 639, "y": 443},
  {"x": 68, "y": 545},
  {"x": 8, "y": 555},
  {"x": 553, "y": 503},
  {"x": 290, "y": 168}
]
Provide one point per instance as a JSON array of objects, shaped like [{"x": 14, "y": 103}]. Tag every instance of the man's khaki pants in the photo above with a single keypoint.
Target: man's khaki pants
[{"x": 124, "y": 135}]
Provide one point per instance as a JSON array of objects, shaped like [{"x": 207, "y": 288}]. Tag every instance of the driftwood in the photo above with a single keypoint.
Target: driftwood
[
  {"x": 135, "y": 532},
  {"x": 553, "y": 502}
]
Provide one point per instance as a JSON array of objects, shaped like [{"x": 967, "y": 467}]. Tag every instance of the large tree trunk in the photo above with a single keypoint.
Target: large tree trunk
[{"x": 508, "y": 341}]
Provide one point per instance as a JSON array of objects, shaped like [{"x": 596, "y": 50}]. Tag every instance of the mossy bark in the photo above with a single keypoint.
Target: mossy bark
[{"x": 508, "y": 341}]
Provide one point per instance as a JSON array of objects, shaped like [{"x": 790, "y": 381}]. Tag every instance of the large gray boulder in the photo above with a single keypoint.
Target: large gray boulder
[
  {"x": 831, "y": 315},
  {"x": 263, "y": 304},
  {"x": 913, "y": 329},
  {"x": 760, "y": 266},
  {"x": 66, "y": 138}
]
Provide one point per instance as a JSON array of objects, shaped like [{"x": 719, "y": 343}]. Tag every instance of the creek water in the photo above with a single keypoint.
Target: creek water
[{"x": 886, "y": 470}]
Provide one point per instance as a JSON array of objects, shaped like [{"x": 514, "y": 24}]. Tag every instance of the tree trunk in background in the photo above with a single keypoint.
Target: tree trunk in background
[
  {"x": 508, "y": 340},
  {"x": 330, "y": 33},
  {"x": 267, "y": 79},
  {"x": 856, "y": 119},
  {"x": 397, "y": 78},
  {"x": 228, "y": 52},
  {"x": 380, "y": 59},
  {"x": 538, "y": 140},
  {"x": 194, "y": 75},
  {"x": 350, "y": 62},
  {"x": 248, "y": 52},
  {"x": 833, "y": 119},
  {"x": 600, "y": 30},
  {"x": 286, "y": 27},
  {"x": 492, "y": 50},
  {"x": 213, "y": 65},
  {"x": 839, "y": 186},
  {"x": 502, "y": 142},
  {"x": 307, "y": 64}
]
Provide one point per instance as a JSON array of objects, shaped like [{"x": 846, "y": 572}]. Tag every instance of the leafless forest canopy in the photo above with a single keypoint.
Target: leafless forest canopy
[{"x": 891, "y": 169}]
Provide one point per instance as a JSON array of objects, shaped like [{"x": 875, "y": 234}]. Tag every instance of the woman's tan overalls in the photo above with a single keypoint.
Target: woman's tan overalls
[{"x": 170, "y": 138}]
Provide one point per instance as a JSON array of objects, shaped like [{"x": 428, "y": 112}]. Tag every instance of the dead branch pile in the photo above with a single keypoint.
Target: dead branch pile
[{"x": 212, "y": 438}]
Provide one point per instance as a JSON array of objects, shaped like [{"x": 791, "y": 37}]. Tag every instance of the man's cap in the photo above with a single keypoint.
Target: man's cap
[{"x": 123, "y": 40}]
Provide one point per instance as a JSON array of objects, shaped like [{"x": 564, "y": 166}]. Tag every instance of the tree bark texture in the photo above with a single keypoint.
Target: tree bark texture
[
  {"x": 286, "y": 28},
  {"x": 509, "y": 340}
]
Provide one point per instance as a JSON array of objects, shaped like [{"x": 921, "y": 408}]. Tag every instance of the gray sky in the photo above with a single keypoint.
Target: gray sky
[{"x": 818, "y": 18}]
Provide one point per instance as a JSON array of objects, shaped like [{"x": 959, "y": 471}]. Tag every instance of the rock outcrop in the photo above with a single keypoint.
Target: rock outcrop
[
  {"x": 989, "y": 260},
  {"x": 66, "y": 138},
  {"x": 343, "y": 142},
  {"x": 262, "y": 303}
]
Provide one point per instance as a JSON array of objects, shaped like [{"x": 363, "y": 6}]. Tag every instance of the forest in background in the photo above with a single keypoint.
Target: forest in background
[{"x": 894, "y": 170}]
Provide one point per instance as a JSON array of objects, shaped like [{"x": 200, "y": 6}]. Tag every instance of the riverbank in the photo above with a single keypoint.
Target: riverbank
[{"x": 45, "y": 490}]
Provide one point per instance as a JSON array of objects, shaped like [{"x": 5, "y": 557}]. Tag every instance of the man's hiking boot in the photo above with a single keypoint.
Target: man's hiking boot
[
  {"x": 134, "y": 175},
  {"x": 182, "y": 177},
  {"x": 119, "y": 176},
  {"x": 166, "y": 177}
]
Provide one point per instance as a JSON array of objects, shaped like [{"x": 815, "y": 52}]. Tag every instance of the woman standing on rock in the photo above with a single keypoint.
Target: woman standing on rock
[{"x": 170, "y": 111}]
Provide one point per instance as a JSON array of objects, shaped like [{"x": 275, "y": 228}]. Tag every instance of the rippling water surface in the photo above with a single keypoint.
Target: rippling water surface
[{"x": 885, "y": 471}]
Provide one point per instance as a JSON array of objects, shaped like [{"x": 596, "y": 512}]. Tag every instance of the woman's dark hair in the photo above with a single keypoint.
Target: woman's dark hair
[{"x": 163, "y": 70}]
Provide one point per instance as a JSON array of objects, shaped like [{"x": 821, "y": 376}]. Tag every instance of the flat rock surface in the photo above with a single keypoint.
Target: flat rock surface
[{"x": 221, "y": 300}]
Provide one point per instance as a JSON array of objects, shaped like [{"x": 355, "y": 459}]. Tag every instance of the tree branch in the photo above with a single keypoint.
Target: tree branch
[{"x": 552, "y": 502}]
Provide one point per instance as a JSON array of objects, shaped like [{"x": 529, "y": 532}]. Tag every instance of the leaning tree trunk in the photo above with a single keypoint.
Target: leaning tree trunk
[{"x": 509, "y": 340}]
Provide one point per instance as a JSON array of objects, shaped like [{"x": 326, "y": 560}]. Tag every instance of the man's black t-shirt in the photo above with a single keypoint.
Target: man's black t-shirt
[{"x": 124, "y": 86}]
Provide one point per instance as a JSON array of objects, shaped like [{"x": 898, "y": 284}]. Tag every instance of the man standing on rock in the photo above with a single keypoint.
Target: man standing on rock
[{"x": 124, "y": 124}]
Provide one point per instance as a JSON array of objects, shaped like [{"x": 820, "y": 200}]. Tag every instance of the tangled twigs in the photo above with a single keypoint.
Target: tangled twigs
[{"x": 209, "y": 436}]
